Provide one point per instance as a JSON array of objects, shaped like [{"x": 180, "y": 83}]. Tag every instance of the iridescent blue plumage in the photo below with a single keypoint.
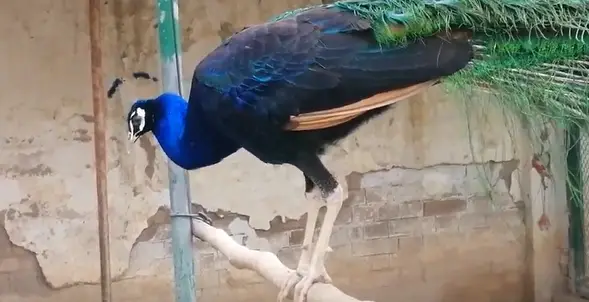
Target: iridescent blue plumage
[{"x": 245, "y": 91}]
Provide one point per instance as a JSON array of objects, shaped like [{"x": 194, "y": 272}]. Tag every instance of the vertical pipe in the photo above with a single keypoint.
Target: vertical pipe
[
  {"x": 171, "y": 67},
  {"x": 99, "y": 108}
]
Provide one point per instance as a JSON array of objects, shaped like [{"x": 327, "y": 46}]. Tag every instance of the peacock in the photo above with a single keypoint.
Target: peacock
[{"x": 266, "y": 88}]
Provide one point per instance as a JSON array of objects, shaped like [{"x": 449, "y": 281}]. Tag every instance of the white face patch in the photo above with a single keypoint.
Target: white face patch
[{"x": 140, "y": 113}]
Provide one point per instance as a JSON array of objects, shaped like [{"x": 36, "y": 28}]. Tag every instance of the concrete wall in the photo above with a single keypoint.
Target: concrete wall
[{"x": 439, "y": 189}]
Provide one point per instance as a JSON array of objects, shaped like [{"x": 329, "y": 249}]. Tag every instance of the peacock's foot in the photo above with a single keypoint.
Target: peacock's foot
[
  {"x": 312, "y": 277},
  {"x": 287, "y": 286},
  {"x": 297, "y": 278}
]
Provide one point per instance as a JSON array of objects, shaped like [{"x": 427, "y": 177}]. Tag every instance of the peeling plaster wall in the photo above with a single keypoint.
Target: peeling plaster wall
[{"x": 46, "y": 167}]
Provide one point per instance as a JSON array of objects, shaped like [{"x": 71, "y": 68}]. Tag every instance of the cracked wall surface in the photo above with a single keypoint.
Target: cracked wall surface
[{"x": 429, "y": 148}]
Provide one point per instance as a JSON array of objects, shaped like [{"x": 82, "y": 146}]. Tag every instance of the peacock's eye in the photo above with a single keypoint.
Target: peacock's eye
[{"x": 136, "y": 122}]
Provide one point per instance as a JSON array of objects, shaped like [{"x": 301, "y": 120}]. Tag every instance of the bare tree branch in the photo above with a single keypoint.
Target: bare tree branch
[{"x": 266, "y": 264}]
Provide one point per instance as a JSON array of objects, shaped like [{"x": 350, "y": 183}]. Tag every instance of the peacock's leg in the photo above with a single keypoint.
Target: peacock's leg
[
  {"x": 315, "y": 203},
  {"x": 317, "y": 271}
]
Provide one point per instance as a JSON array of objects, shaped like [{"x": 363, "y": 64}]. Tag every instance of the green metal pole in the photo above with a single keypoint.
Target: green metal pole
[
  {"x": 171, "y": 65},
  {"x": 575, "y": 195}
]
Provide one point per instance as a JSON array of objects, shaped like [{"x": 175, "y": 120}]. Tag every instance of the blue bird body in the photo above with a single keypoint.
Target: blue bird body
[{"x": 244, "y": 93}]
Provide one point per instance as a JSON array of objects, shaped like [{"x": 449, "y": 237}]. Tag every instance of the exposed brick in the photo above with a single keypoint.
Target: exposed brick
[
  {"x": 391, "y": 177},
  {"x": 341, "y": 251},
  {"x": 411, "y": 209},
  {"x": 345, "y": 215},
  {"x": 428, "y": 225},
  {"x": 480, "y": 205},
  {"x": 405, "y": 227},
  {"x": 502, "y": 201},
  {"x": 375, "y": 179},
  {"x": 279, "y": 224},
  {"x": 356, "y": 233},
  {"x": 364, "y": 213},
  {"x": 443, "y": 207},
  {"x": 446, "y": 223},
  {"x": 289, "y": 256},
  {"x": 278, "y": 240},
  {"x": 296, "y": 237},
  {"x": 340, "y": 236},
  {"x": 511, "y": 221},
  {"x": 388, "y": 211},
  {"x": 471, "y": 221},
  {"x": 376, "y": 230},
  {"x": 374, "y": 247},
  {"x": 354, "y": 181},
  {"x": 380, "y": 194},
  {"x": 355, "y": 197}
]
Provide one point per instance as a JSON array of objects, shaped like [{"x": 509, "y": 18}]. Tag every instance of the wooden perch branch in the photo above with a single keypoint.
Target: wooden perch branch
[{"x": 266, "y": 264}]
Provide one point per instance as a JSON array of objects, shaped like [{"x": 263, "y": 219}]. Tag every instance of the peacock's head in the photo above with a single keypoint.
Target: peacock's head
[{"x": 140, "y": 119}]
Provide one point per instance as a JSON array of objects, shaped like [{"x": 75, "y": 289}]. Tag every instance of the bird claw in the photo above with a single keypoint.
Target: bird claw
[
  {"x": 286, "y": 287},
  {"x": 303, "y": 286}
]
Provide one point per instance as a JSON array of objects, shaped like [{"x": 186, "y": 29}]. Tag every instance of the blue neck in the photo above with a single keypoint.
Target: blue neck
[{"x": 189, "y": 142}]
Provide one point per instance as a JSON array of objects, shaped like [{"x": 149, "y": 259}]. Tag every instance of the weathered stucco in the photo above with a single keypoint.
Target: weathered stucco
[{"x": 46, "y": 159}]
